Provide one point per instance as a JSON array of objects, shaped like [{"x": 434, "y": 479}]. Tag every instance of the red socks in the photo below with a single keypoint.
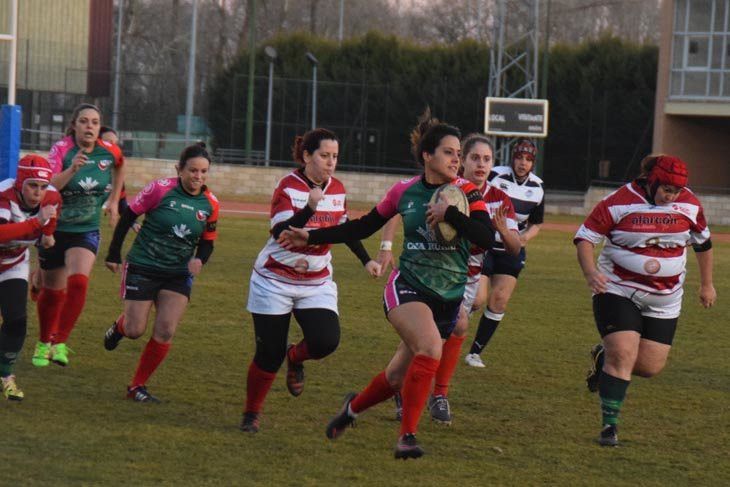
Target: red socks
[
  {"x": 50, "y": 302},
  {"x": 120, "y": 325},
  {"x": 416, "y": 386},
  {"x": 258, "y": 384},
  {"x": 376, "y": 392},
  {"x": 76, "y": 287},
  {"x": 449, "y": 359},
  {"x": 152, "y": 356},
  {"x": 299, "y": 353}
]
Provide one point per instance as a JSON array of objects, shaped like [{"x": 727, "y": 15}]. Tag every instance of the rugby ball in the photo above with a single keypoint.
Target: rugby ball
[{"x": 453, "y": 195}]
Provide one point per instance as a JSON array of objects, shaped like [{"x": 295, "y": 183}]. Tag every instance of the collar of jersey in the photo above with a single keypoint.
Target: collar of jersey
[
  {"x": 309, "y": 182},
  {"x": 203, "y": 188}
]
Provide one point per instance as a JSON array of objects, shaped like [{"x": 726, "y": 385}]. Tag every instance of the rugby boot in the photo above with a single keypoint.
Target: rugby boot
[
  {"x": 42, "y": 354},
  {"x": 11, "y": 391},
  {"x": 250, "y": 423},
  {"x": 440, "y": 410},
  {"x": 59, "y": 354},
  {"x": 140, "y": 394},
  {"x": 342, "y": 420},
  {"x": 112, "y": 337},
  {"x": 407, "y": 447},
  {"x": 294, "y": 375},
  {"x": 474, "y": 360},
  {"x": 594, "y": 374},
  {"x": 609, "y": 435}
]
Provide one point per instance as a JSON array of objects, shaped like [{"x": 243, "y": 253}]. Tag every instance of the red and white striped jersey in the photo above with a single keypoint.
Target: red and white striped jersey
[
  {"x": 646, "y": 245},
  {"x": 495, "y": 198},
  {"x": 13, "y": 251},
  {"x": 310, "y": 265}
]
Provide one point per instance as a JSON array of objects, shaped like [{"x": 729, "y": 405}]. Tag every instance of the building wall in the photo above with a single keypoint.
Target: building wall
[
  {"x": 698, "y": 131},
  {"x": 53, "y": 40}
]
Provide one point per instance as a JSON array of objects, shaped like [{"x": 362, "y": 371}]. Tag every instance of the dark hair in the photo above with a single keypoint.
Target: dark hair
[
  {"x": 77, "y": 111},
  {"x": 310, "y": 142},
  {"x": 427, "y": 135},
  {"x": 104, "y": 129},
  {"x": 191, "y": 151},
  {"x": 647, "y": 164}
]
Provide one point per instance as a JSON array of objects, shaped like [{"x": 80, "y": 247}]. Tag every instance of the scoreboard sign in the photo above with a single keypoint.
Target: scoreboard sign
[{"x": 516, "y": 117}]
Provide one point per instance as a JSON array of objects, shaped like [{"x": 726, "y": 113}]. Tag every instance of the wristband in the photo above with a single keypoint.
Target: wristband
[{"x": 386, "y": 245}]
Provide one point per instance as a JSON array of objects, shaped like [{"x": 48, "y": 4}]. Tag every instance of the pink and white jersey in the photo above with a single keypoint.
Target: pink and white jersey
[
  {"x": 15, "y": 250},
  {"x": 494, "y": 198},
  {"x": 645, "y": 244},
  {"x": 310, "y": 265}
]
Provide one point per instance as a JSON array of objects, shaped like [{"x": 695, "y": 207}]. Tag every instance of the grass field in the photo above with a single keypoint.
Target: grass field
[{"x": 526, "y": 419}]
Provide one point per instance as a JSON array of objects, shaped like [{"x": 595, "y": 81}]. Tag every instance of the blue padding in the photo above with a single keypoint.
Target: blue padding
[{"x": 10, "y": 123}]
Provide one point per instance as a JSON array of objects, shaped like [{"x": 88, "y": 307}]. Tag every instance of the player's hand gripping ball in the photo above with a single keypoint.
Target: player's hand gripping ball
[{"x": 454, "y": 196}]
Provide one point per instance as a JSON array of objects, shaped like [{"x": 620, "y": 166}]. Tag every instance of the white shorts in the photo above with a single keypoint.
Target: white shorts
[
  {"x": 662, "y": 306},
  {"x": 470, "y": 293},
  {"x": 18, "y": 271},
  {"x": 272, "y": 297}
]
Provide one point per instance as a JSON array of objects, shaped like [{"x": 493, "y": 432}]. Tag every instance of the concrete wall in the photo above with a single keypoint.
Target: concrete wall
[{"x": 232, "y": 180}]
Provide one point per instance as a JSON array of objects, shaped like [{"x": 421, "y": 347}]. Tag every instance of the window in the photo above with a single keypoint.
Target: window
[{"x": 700, "y": 66}]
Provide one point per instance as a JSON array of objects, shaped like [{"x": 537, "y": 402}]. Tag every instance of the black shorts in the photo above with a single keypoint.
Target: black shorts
[
  {"x": 139, "y": 284},
  {"x": 500, "y": 262},
  {"x": 55, "y": 257},
  {"x": 397, "y": 292},
  {"x": 616, "y": 313}
]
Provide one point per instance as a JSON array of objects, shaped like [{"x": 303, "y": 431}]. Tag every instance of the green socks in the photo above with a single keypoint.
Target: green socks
[{"x": 612, "y": 391}]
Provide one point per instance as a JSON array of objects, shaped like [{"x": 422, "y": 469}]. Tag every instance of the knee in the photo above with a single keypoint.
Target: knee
[
  {"x": 164, "y": 329},
  {"x": 164, "y": 335},
  {"x": 648, "y": 370},
  {"x": 15, "y": 327},
  {"x": 323, "y": 345},
  {"x": 269, "y": 357},
  {"x": 620, "y": 357},
  {"x": 134, "y": 329},
  {"x": 430, "y": 350},
  {"x": 499, "y": 303}
]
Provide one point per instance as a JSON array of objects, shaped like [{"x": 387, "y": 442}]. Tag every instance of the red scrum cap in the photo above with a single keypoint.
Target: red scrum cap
[
  {"x": 668, "y": 170},
  {"x": 526, "y": 147},
  {"x": 32, "y": 167}
]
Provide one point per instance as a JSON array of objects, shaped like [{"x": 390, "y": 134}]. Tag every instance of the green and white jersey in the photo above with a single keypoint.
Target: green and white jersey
[
  {"x": 175, "y": 221},
  {"x": 436, "y": 270},
  {"x": 89, "y": 187}
]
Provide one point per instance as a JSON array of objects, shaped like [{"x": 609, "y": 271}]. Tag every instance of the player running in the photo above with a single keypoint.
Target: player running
[
  {"x": 423, "y": 297},
  {"x": 638, "y": 283},
  {"x": 477, "y": 161},
  {"x": 298, "y": 280},
  {"x": 28, "y": 209},
  {"x": 175, "y": 240},
  {"x": 526, "y": 192},
  {"x": 86, "y": 171}
]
